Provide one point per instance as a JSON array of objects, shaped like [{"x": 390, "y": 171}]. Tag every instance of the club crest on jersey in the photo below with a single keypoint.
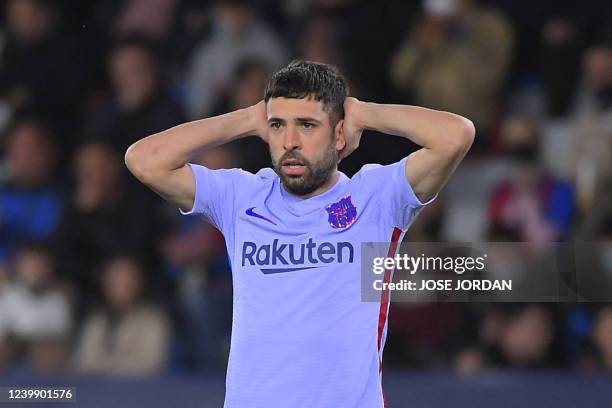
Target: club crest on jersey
[{"x": 342, "y": 213}]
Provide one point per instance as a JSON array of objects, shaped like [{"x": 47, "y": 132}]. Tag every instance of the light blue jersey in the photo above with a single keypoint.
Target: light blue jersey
[{"x": 301, "y": 336}]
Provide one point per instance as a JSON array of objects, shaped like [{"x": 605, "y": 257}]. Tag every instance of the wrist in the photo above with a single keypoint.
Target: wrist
[
  {"x": 256, "y": 118},
  {"x": 243, "y": 123},
  {"x": 366, "y": 115}
]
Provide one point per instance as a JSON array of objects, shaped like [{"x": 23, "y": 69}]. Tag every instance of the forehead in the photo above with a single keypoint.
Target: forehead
[{"x": 289, "y": 108}]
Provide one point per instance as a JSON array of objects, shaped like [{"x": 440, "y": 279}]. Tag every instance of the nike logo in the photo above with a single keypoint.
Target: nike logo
[
  {"x": 252, "y": 213},
  {"x": 269, "y": 271}
]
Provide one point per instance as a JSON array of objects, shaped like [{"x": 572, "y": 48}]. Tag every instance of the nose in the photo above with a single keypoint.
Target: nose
[{"x": 292, "y": 138}]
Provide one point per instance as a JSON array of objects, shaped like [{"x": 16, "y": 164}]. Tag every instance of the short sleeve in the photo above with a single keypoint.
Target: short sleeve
[
  {"x": 397, "y": 199},
  {"x": 215, "y": 194}
]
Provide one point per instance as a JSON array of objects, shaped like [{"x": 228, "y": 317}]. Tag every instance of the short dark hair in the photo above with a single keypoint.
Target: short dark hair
[{"x": 302, "y": 79}]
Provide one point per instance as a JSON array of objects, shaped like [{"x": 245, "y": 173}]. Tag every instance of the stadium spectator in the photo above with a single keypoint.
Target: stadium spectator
[
  {"x": 479, "y": 339},
  {"x": 49, "y": 355},
  {"x": 35, "y": 312},
  {"x": 247, "y": 88},
  {"x": 140, "y": 102},
  {"x": 30, "y": 201},
  {"x": 510, "y": 336},
  {"x": 591, "y": 158},
  {"x": 456, "y": 59},
  {"x": 532, "y": 204},
  {"x": 527, "y": 338},
  {"x": 34, "y": 60},
  {"x": 421, "y": 334},
  {"x": 101, "y": 217},
  {"x": 320, "y": 41},
  {"x": 127, "y": 335},
  {"x": 560, "y": 65},
  {"x": 192, "y": 24},
  {"x": 237, "y": 34},
  {"x": 148, "y": 18}
]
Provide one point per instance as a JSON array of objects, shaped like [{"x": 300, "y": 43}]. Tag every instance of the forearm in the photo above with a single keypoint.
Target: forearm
[
  {"x": 172, "y": 148},
  {"x": 428, "y": 128}
]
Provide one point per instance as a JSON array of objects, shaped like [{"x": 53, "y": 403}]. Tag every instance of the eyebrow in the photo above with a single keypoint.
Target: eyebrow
[
  {"x": 299, "y": 120},
  {"x": 307, "y": 120}
]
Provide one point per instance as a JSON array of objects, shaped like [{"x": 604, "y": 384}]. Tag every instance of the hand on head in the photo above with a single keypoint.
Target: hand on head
[
  {"x": 261, "y": 120},
  {"x": 351, "y": 127}
]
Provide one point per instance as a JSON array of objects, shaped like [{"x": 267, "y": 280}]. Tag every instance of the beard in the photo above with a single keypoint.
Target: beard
[{"x": 315, "y": 175}]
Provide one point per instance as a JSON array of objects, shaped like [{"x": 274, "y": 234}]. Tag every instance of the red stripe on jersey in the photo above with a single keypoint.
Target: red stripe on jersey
[{"x": 384, "y": 301}]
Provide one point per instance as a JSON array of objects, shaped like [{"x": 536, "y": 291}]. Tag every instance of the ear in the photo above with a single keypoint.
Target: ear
[{"x": 339, "y": 135}]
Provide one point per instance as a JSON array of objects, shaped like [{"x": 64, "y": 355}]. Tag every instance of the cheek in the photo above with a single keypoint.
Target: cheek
[{"x": 320, "y": 143}]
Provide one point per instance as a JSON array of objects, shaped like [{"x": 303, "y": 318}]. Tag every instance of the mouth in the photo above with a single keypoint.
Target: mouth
[{"x": 293, "y": 167}]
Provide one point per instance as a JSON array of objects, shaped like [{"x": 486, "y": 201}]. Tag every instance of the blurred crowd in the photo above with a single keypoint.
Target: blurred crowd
[{"x": 98, "y": 275}]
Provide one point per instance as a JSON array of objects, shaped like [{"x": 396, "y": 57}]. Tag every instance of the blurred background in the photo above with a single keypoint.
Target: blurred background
[{"x": 103, "y": 283}]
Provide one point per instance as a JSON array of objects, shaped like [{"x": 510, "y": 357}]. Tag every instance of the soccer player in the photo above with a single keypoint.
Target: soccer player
[{"x": 301, "y": 336}]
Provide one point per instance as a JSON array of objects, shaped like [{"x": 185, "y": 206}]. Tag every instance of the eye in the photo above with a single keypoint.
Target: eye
[
  {"x": 275, "y": 125},
  {"x": 308, "y": 125}
]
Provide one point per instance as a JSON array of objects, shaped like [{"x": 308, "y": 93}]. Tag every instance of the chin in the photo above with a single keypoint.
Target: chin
[
  {"x": 294, "y": 182},
  {"x": 297, "y": 185}
]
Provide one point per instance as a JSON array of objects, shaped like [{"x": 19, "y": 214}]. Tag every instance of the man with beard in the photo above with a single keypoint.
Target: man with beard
[{"x": 302, "y": 337}]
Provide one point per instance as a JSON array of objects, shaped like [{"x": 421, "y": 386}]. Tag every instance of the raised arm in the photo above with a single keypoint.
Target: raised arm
[
  {"x": 445, "y": 138},
  {"x": 159, "y": 160}
]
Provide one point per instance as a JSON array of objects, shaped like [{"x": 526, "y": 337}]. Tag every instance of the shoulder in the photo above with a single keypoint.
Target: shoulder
[
  {"x": 246, "y": 178},
  {"x": 367, "y": 171},
  {"x": 233, "y": 174},
  {"x": 380, "y": 174},
  {"x": 218, "y": 182}
]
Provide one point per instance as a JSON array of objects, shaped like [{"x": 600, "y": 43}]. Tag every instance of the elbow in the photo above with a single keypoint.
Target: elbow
[
  {"x": 468, "y": 133},
  {"x": 135, "y": 161},
  {"x": 131, "y": 158},
  {"x": 463, "y": 135}
]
